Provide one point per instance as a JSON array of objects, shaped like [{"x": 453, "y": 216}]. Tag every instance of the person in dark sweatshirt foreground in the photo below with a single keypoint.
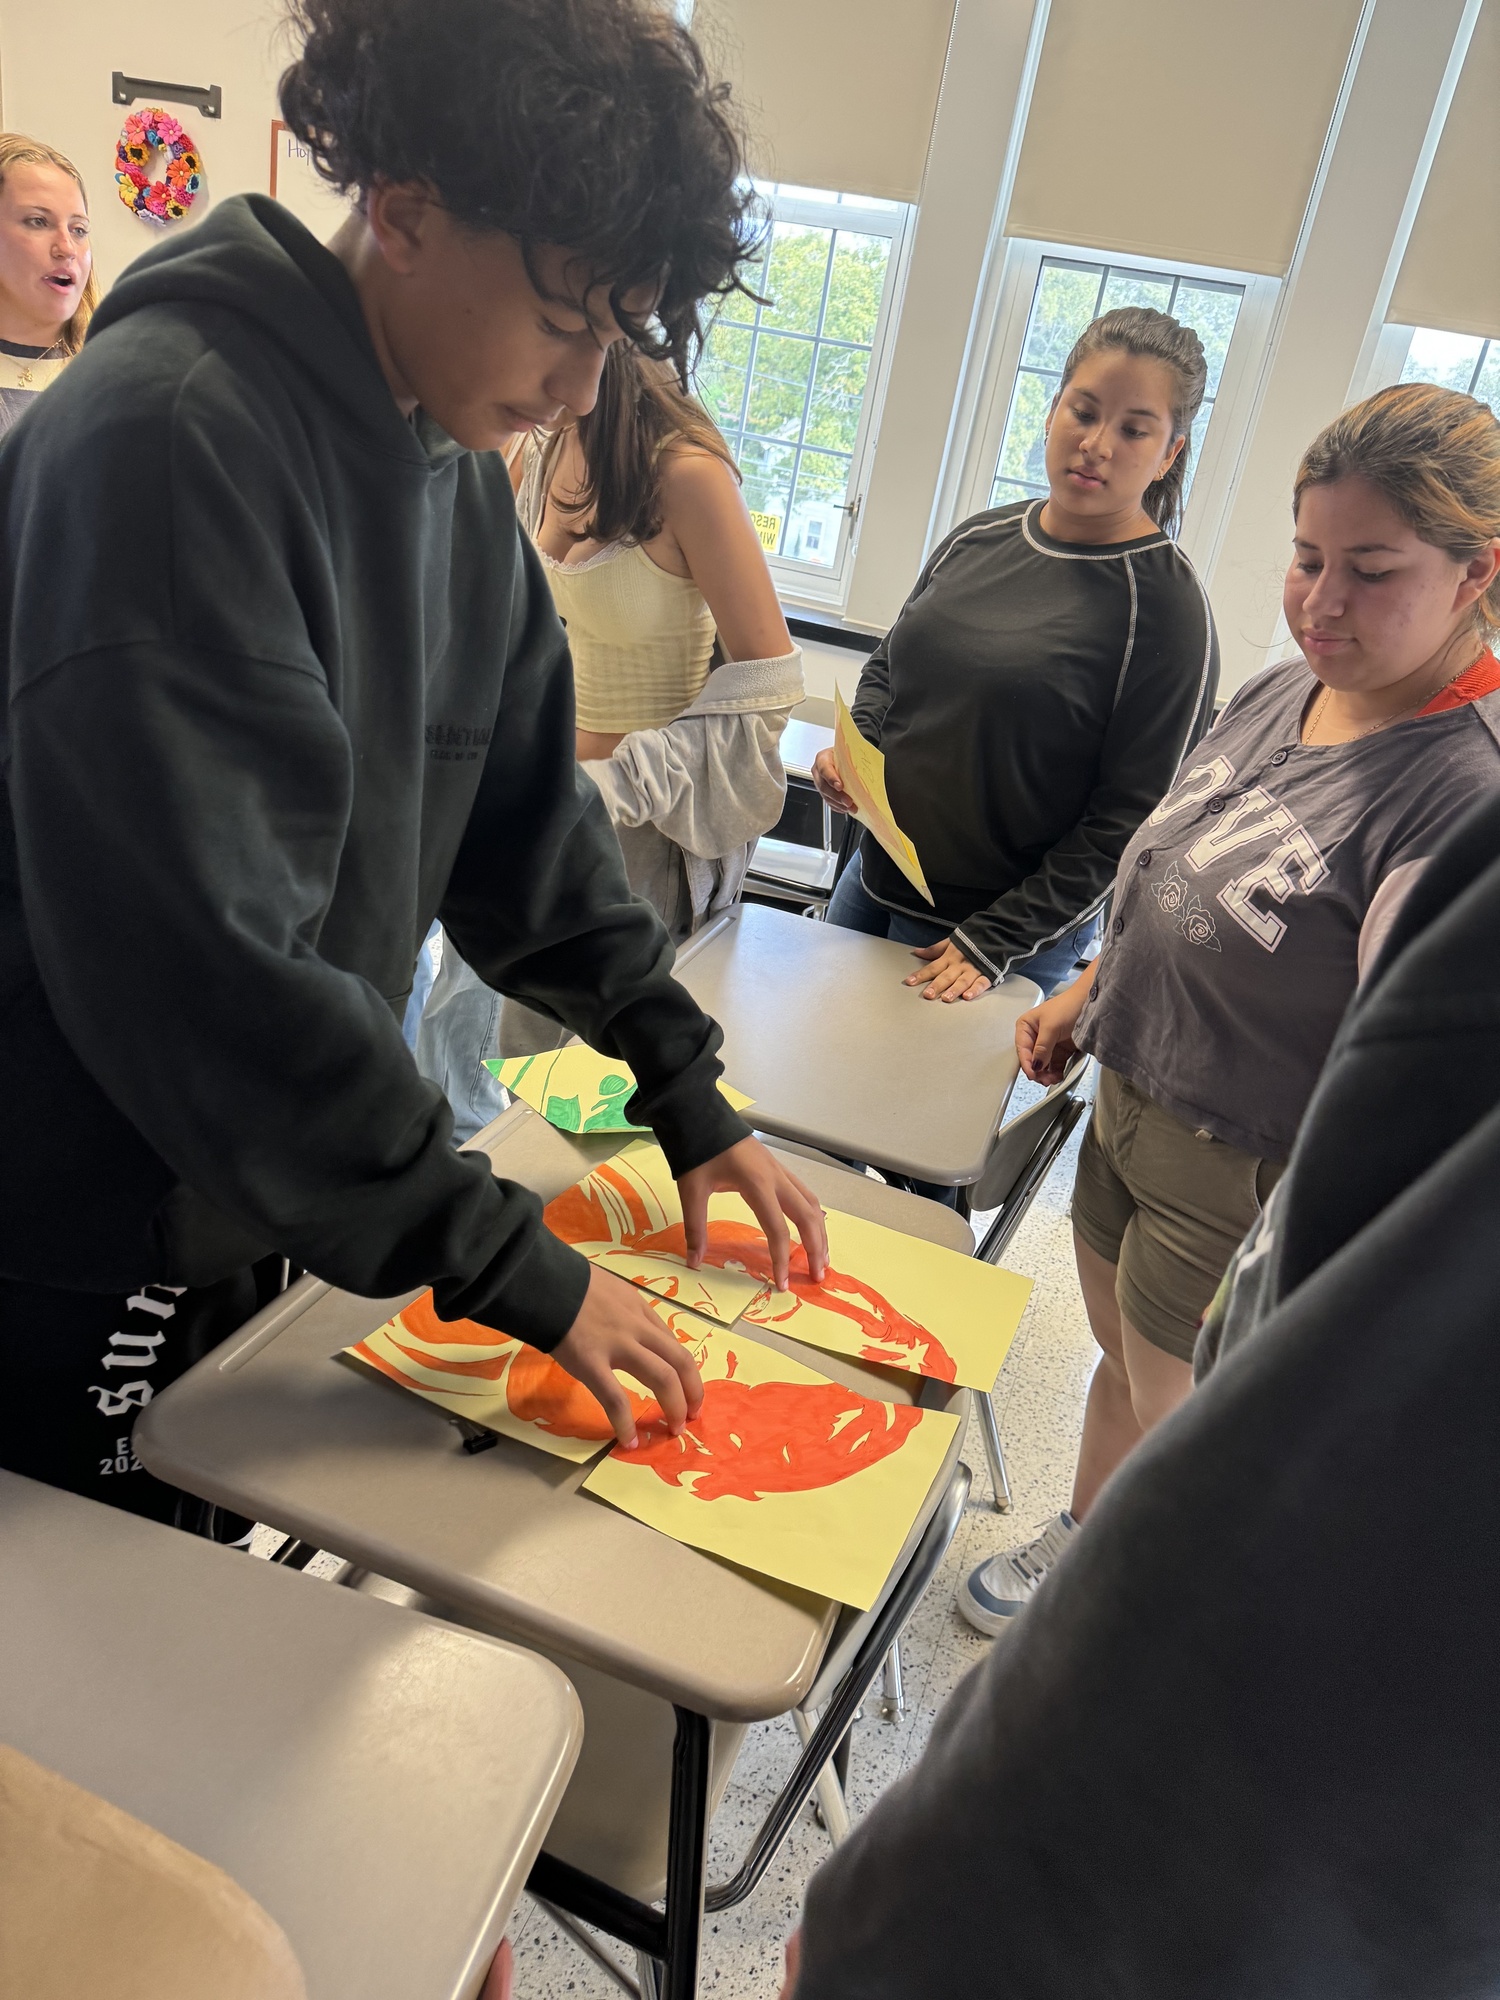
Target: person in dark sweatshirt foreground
[
  {"x": 1244, "y": 1744},
  {"x": 284, "y": 683}
]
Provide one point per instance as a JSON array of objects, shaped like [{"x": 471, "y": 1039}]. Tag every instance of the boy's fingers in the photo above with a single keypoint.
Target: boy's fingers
[
  {"x": 806, "y": 1211},
  {"x": 655, "y": 1373},
  {"x": 676, "y": 1357},
  {"x": 694, "y": 1197},
  {"x": 613, "y": 1400}
]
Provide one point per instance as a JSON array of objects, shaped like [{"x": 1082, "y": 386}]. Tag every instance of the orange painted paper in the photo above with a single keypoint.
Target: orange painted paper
[
  {"x": 626, "y": 1217},
  {"x": 783, "y": 1471}
]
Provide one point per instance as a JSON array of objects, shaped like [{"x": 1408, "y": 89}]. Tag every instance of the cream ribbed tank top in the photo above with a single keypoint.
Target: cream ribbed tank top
[{"x": 641, "y": 639}]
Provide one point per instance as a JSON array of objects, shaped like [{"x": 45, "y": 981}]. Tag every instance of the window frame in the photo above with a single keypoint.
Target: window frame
[
  {"x": 984, "y": 402},
  {"x": 1393, "y": 347},
  {"x": 799, "y": 582}
]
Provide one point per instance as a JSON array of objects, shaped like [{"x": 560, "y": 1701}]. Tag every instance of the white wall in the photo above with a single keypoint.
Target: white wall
[{"x": 56, "y": 58}]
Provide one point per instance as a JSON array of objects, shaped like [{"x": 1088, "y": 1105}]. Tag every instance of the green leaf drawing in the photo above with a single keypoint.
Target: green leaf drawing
[
  {"x": 612, "y": 1086},
  {"x": 565, "y": 1113}
]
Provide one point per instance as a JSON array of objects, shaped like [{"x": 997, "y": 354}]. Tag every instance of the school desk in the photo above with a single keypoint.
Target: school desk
[
  {"x": 800, "y": 744},
  {"x": 837, "y": 1053},
  {"x": 274, "y": 1427},
  {"x": 378, "y": 1781}
]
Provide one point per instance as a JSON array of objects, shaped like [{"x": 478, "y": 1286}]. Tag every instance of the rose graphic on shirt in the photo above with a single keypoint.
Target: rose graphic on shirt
[
  {"x": 1198, "y": 927},
  {"x": 1171, "y": 891}
]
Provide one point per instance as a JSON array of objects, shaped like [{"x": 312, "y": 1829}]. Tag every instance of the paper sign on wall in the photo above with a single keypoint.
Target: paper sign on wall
[{"x": 862, "y": 772}]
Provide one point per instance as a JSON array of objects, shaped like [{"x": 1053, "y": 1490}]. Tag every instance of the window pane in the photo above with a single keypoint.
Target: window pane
[
  {"x": 1062, "y": 308},
  {"x": 1022, "y": 455},
  {"x": 1211, "y": 314},
  {"x": 805, "y": 194},
  {"x": 838, "y": 397},
  {"x": 767, "y": 471},
  {"x": 1007, "y": 490},
  {"x": 1445, "y": 358},
  {"x": 1135, "y": 288},
  {"x": 794, "y": 282},
  {"x": 720, "y": 376},
  {"x": 812, "y": 533},
  {"x": 856, "y": 286},
  {"x": 778, "y": 387},
  {"x": 1487, "y": 385},
  {"x": 1199, "y": 432}
]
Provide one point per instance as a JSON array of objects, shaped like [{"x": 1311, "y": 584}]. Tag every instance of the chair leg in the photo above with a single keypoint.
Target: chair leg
[
  {"x": 994, "y": 1451},
  {"x": 649, "y": 1974},
  {"x": 833, "y": 1811},
  {"x": 687, "y": 1851},
  {"x": 892, "y": 1693}
]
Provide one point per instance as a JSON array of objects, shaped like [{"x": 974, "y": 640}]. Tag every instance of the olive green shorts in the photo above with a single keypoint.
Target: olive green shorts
[{"x": 1169, "y": 1206}]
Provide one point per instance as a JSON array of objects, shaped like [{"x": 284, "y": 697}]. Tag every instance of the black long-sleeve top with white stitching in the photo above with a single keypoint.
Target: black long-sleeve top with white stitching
[{"x": 1033, "y": 701}]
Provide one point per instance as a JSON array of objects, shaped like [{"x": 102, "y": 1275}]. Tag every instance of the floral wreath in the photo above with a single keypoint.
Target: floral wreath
[{"x": 145, "y": 133}]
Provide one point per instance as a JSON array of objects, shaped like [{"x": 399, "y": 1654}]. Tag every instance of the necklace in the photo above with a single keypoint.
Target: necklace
[
  {"x": 52, "y": 353},
  {"x": 1385, "y": 721}
]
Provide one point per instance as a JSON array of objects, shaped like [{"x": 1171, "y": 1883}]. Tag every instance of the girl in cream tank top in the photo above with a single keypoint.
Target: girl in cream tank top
[{"x": 641, "y": 639}]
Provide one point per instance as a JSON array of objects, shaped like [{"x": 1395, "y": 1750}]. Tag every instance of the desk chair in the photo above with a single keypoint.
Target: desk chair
[
  {"x": 784, "y": 871},
  {"x": 1026, "y": 1148},
  {"x": 629, "y": 1830}
]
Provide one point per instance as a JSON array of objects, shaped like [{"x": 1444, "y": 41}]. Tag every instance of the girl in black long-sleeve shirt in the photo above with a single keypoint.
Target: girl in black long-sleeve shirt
[{"x": 1036, "y": 694}]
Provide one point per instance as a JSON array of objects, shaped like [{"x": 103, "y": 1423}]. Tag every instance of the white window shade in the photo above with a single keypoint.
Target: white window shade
[
  {"x": 837, "y": 93},
  {"x": 1450, "y": 275},
  {"x": 1225, "y": 108}
]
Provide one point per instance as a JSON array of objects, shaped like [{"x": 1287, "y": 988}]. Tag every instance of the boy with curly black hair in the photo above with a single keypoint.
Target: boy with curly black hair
[{"x": 285, "y": 684}]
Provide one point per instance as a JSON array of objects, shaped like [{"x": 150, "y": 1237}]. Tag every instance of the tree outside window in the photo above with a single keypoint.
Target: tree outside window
[
  {"x": 787, "y": 381},
  {"x": 1463, "y": 361}
]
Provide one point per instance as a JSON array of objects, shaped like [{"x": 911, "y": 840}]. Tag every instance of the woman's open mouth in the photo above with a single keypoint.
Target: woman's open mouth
[{"x": 61, "y": 281}]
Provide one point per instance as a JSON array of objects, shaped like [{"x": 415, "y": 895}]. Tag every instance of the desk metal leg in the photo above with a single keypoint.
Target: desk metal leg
[
  {"x": 893, "y": 1694},
  {"x": 687, "y": 1852},
  {"x": 989, "y": 1430}
]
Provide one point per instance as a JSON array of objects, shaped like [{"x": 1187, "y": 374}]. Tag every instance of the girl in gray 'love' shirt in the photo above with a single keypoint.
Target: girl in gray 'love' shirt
[{"x": 1250, "y": 901}]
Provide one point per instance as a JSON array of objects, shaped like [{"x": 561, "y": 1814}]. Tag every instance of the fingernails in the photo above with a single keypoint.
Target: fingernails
[{"x": 631, "y": 1443}]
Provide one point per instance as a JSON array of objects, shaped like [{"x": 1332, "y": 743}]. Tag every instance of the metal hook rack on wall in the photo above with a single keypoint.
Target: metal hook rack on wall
[{"x": 209, "y": 99}]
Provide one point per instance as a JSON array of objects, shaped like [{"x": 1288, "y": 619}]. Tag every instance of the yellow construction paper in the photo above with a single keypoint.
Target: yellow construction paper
[
  {"x": 862, "y": 774},
  {"x": 626, "y": 1217},
  {"x": 784, "y": 1471},
  {"x": 578, "y": 1090},
  {"x": 499, "y": 1383},
  {"x": 891, "y": 1298}
]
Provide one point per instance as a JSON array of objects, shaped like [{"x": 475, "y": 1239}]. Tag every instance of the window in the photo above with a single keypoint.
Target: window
[
  {"x": 1067, "y": 296},
  {"x": 794, "y": 384},
  {"x": 1461, "y": 361}
]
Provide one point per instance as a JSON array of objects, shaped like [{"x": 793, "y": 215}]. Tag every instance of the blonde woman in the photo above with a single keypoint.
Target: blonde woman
[
  {"x": 1251, "y": 901},
  {"x": 47, "y": 286}
]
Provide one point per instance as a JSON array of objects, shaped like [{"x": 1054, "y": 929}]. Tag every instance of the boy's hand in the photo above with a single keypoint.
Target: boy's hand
[
  {"x": 615, "y": 1328},
  {"x": 772, "y": 1194}
]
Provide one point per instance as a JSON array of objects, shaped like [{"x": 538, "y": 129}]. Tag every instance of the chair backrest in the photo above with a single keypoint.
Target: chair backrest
[{"x": 1017, "y": 1140}]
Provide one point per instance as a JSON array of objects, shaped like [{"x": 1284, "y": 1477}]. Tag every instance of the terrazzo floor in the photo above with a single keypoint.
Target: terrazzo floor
[{"x": 1040, "y": 1402}]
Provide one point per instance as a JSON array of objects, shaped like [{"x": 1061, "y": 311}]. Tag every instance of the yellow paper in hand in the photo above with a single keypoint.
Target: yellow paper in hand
[
  {"x": 894, "y": 1299},
  {"x": 790, "y": 1474},
  {"x": 578, "y": 1090},
  {"x": 862, "y": 771},
  {"x": 626, "y": 1217}
]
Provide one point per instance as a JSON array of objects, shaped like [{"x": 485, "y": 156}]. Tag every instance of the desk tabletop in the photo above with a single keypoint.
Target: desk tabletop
[
  {"x": 837, "y": 1053},
  {"x": 800, "y": 743},
  {"x": 272, "y": 1426},
  {"x": 378, "y": 1781}
]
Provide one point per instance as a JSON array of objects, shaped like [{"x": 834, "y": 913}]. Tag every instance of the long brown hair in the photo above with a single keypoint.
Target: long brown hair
[
  {"x": 1153, "y": 336},
  {"x": 16, "y": 150},
  {"x": 1434, "y": 454},
  {"x": 642, "y": 409}
]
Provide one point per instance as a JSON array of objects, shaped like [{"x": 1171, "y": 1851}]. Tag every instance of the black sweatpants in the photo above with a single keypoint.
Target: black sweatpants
[{"x": 77, "y": 1368}]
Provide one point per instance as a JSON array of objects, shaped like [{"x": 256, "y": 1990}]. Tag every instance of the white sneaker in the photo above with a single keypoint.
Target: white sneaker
[{"x": 997, "y": 1592}]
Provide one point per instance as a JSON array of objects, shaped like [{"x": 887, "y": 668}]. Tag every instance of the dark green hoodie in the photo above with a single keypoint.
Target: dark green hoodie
[{"x": 285, "y": 682}]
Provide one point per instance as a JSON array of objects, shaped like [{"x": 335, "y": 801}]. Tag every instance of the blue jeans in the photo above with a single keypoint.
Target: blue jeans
[
  {"x": 853, "y": 908},
  {"x": 452, "y": 1034}
]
